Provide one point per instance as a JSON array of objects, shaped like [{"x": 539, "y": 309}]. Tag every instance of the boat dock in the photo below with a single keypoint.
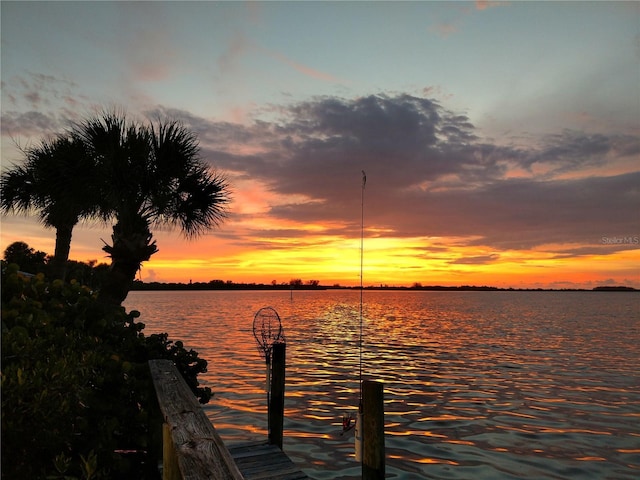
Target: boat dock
[
  {"x": 261, "y": 460},
  {"x": 193, "y": 449}
]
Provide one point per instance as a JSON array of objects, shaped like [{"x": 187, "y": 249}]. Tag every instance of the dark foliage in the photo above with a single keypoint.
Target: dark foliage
[
  {"x": 29, "y": 259},
  {"x": 77, "y": 398},
  {"x": 91, "y": 274}
]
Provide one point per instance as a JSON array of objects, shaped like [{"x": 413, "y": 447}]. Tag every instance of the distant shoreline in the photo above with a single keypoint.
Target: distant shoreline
[{"x": 227, "y": 286}]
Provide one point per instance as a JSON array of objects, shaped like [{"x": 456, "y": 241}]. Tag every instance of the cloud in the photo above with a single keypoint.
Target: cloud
[
  {"x": 430, "y": 174},
  {"x": 486, "y": 4},
  {"x": 301, "y": 68},
  {"x": 529, "y": 213},
  {"x": 147, "y": 47},
  {"x": 150, "y": 275},
  {"x": 436, "y": 91},
  {"x": 443, "y": 30},
  {"x": 238, "y": 47},
  {"x": 476, "y": 260},
  {"x": 36, "y": 91},
  {"x": 571, "y": 150},
  {"x": 31, "y": 123},
  {"x": 241, "y": 45}
]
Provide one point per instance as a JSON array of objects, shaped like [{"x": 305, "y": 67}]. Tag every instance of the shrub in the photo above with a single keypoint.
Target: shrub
[{"x": 77, "y": 397}]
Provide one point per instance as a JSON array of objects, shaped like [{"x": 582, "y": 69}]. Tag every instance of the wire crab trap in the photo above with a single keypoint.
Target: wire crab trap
[{"x": 267, "y": 330}]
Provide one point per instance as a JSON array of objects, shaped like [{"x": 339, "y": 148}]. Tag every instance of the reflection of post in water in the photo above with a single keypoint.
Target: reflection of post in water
[{"x": 269, "y": 335}]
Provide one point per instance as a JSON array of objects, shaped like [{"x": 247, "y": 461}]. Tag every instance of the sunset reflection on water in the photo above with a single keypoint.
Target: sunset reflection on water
[{"x": 477, "y": 384}]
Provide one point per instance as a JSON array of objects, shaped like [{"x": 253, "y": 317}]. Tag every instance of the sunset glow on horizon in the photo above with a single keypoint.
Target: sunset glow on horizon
[{"x": 501, "y": 141}]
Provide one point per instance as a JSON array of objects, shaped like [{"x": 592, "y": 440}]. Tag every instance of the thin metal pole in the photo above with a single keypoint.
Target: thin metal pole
[{"x": 364, "y": 181}]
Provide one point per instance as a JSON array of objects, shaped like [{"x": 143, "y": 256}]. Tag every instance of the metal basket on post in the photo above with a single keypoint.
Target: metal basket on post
[{"x": 267, "y": 330}]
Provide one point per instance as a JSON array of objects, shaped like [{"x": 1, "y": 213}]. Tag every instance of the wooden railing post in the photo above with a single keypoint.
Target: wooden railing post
[
  {"x": 373, "y": 461},
  {"x": 170, "y": 468},
  {"x": 192, "y": 448},
  {"x": 276, "y": 409}
]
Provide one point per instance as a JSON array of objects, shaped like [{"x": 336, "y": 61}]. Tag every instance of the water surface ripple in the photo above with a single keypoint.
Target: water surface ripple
[{"x": 478, "y": 385}]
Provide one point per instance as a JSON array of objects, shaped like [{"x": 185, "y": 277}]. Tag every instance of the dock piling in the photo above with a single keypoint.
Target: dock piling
[
  {"x": 276, "y": 408},
  {"x": 373, "y": 455}
]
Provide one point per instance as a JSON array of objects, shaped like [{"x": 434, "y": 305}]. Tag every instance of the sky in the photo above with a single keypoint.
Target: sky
[{"x": 500, "y": 140}]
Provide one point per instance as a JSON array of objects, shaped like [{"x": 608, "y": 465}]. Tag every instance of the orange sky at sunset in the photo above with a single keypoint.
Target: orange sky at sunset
[
  {"x": 388, "y": 260},
  {"x": 501, "y": 141}
]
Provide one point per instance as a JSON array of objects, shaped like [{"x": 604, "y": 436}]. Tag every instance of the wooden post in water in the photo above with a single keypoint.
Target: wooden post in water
[
  {"x": 276, "y": 409},
  {"x": 373, "y": 462}
]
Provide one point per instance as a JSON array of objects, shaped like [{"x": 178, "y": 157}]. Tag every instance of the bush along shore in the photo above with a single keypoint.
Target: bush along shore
[{"x": 77, "y": 397}]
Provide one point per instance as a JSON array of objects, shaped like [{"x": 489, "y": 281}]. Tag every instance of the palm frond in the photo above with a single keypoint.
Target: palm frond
[{"x": 18, "y": 191}]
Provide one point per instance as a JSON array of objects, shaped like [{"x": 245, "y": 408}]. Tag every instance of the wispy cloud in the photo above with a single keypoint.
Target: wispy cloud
[
  {"x": 148, "y": 47},
  {"x": 476, "y": 260},
  {"x": 27, "y": 124},
  {"x": 485, "y": 4},
  {"x": 242, "y": 45},
  {"x": 443, "y": 30},
  {"x": 301, "y": 68},
  {"x": 36, "y": 90},
  {"x": 446, "y": 28},
  {"x": 239, "y": 46}
]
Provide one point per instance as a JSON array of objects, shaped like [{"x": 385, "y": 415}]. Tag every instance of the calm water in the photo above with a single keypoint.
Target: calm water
[{"x": 478, "y": 385}]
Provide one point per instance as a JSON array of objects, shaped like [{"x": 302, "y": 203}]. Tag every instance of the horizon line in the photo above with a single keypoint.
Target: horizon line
[{"x": 140, "y": 285}]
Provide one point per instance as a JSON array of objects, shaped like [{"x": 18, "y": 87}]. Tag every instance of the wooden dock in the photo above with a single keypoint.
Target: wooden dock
[
  {"x": 260, "y": 461},
  {"x": 192, "y": 449}
]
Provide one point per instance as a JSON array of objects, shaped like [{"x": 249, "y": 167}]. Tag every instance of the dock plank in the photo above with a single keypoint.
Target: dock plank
[{"x": 260, "y": 460}]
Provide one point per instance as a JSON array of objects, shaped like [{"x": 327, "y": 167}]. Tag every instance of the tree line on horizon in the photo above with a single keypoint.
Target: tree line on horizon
[{"x": 229, "y": 285}]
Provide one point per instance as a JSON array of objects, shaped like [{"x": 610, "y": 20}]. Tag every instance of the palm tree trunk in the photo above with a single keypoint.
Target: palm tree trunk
[
  {"x": 132, "y": 245},
  {"x": 61, "y": 254}
]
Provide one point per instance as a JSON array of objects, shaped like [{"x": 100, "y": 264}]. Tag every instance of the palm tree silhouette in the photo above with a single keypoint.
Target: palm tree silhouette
[
  {"x": 55, "y": 181},
  {"x": 149, "y": 175}
]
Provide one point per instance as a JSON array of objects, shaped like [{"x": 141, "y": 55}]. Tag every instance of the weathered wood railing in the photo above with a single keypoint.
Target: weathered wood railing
[{"x": 192, "y": 449}]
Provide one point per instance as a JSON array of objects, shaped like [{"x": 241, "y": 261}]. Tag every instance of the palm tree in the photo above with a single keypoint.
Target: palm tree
[
  {"x": 56, "y": 181},
  {"x": 151, "y": 175}
]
